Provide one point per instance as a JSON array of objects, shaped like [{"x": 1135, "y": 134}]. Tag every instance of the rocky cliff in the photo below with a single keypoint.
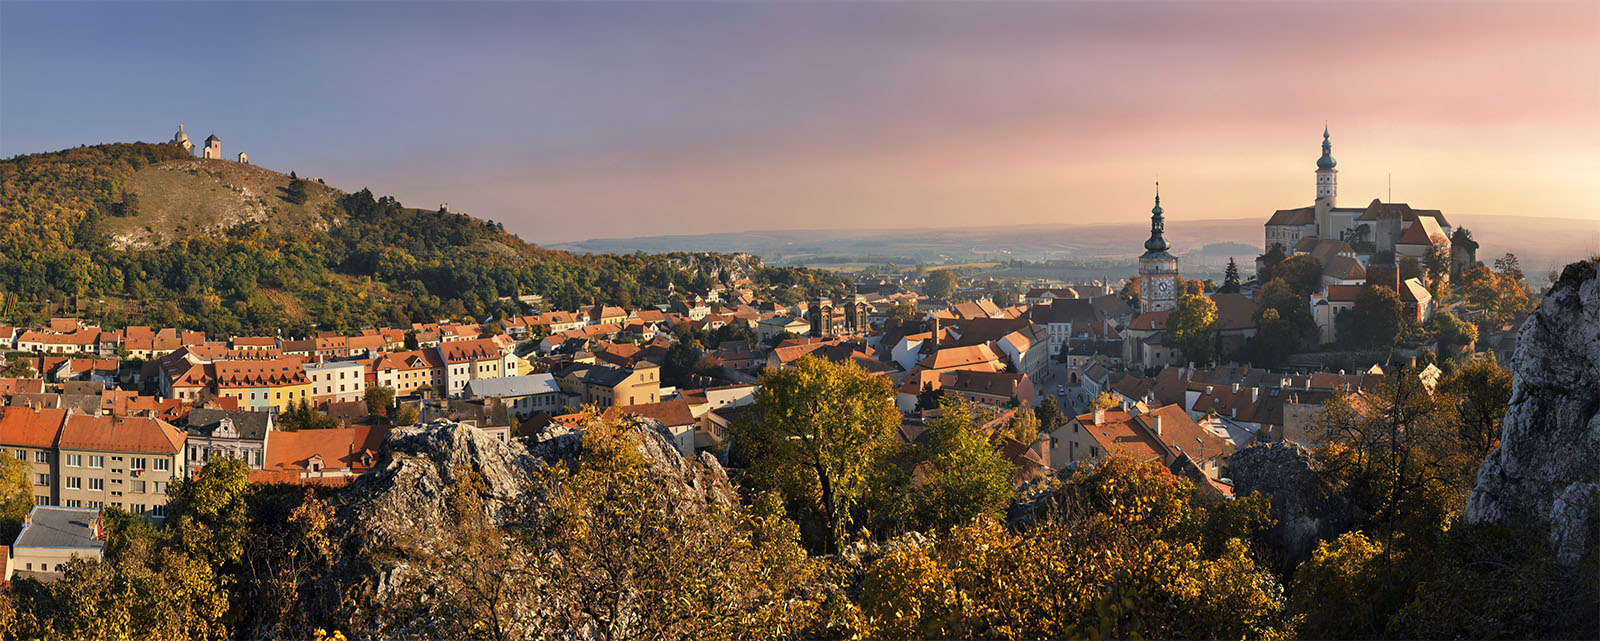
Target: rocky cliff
[
  {"x": 1306, "y": 506},
  {"x": 1544, "y": 479},
  {"x": 396, "y": 521}
]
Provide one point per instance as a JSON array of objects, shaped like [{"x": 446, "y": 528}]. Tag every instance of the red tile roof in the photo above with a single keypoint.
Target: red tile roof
[
  {"x": 29, "y": 427},
  {"x": 120, "y": 434}
]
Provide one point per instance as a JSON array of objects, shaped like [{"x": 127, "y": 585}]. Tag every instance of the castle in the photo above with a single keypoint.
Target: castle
[
  {"x": 1389, "y": 231},
  {"x": 212, "y": 150}
]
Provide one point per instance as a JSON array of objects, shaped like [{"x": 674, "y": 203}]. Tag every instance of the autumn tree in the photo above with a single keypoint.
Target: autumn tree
[
  {"x": 1481, "y": 391},
  {"x": 1302, "y": 272},
  {"x": 1192, "y": 328},
  {"x": 1049, "y": 414},
  {"x": 629, "y": 560},
  {"x": 1105, "y": 401},
  {"x": 951, "y": 474},
  {"x": 18, "y": 368},
  {"x": 904, "y": 312},
  {"x": 941, "y": 283},
  {"x": 380, "y": 398},
  {"x": 1375, "y": 320},
  {"x": 816, "y": 429},
  {"x": 16, "y": 496},
  {"x": 1121, "y": 550}
]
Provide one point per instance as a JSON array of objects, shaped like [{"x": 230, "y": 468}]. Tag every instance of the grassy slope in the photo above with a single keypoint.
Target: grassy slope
[{"x": 197, "y": 197}]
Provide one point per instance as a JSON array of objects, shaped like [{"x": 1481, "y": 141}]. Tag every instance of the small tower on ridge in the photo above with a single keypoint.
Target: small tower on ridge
[{"x": 213, "y": 148}]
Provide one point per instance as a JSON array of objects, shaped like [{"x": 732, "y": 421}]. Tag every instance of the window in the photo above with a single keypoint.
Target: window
[
  {"x": 97, "y": 485},
  {"x": 74, "y": 503},
  {"x": 44, "y": 479},
  {"x": 158, "y": 487},
  {"x": 74, "y": 483},
  {"x": 158, "y": 511},
  {"x": 74, "y": 460},
  {"x": 138, "y": 463},
  {"x": 97, "y": 504},
  {"x": 163, "y": 465},
  {"x": 137, "y": 487},
  {"x": 136, "y": 508},
  {"x": 41, "y": 456},
  {"x": 22, "y": 455},
  {"x": 96, "y": 461}
]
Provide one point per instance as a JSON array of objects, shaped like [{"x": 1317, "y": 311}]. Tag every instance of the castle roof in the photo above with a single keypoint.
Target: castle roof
[{"x": 1299, "y": 216}]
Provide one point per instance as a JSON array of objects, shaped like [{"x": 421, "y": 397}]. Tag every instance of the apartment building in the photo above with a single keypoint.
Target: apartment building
[
  {"x": 336, "y": 381},
  {"x": 126, "y": 462}
]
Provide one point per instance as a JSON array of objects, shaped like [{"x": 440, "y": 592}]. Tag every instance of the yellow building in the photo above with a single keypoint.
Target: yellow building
[{"x": 263, "y": 385}]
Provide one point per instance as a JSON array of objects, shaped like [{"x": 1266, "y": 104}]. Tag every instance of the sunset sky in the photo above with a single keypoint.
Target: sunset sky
[{"x": 572, "y": 121}]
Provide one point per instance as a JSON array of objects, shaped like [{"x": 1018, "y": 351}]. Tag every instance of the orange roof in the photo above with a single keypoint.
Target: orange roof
[
  {"x": 473, "y": 350},
  {"x": 671, "y": 413},
  {"x": 120, "y": 434},
  {"x": 29, "y": 427},
  {"x": 339, "y": 448},
  {"x": 1150, "y": 321},
  {"x": 278, "y": 371}
]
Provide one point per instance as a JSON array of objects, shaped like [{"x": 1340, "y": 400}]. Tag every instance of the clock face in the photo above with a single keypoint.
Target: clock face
[{"x": 1163, "y": 288}]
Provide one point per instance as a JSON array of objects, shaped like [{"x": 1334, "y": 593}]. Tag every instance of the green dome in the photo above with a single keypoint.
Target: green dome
[
  {"x": 1158, "y": 241},
  {"x": 1326, "y": 162}
]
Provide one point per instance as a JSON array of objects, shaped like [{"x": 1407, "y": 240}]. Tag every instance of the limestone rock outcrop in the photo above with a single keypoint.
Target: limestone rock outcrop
[
  {"x": 1544, "y": 479},
  {"x": 1307, "y": 506}
]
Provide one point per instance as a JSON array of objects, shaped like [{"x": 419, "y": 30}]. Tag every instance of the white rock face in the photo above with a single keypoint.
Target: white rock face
[{"x": 1545, "y": 476}]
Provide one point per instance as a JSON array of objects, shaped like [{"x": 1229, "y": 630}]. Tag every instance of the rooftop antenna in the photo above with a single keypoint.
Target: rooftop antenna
[{"x": 1391, "y": 186}]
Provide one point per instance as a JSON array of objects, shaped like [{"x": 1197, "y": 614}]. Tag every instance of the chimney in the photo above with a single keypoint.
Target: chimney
[
  {"x": 1158, "y": 425},
  {"x": 1099, "y": 415}
]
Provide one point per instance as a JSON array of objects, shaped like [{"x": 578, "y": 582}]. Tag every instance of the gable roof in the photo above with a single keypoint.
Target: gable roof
[
  {"x": 1297, "y": 216},
  {"x": 28, "y": 427},
  {"x": 1235, "y": 311},
  {"x": 673, "y": 413},
  {"x": 120, "y": 434},
  {"x": 250, "y": 425},
  {"x": 339, "y": 448}
]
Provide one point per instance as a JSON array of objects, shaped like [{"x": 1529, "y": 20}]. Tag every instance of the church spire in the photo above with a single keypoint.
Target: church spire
[
  {"x": 1158, "y": 242},
  {"x": 1326, "y": 162}
]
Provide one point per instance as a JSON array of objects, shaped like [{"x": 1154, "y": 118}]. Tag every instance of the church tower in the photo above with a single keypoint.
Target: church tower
[
  {"x": 1159, "y": 281},
  {"x": 213, "y": 148},
  {"x": 1327, "y": 187},
  {"x": 182, "y": 138}
]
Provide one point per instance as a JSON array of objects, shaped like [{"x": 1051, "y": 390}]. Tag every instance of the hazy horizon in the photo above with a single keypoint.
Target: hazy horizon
[{"x": 578, "y": 121}]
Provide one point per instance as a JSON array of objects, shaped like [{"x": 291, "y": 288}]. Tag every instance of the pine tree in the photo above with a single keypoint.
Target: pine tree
[{"x": 1230, "y": 278}]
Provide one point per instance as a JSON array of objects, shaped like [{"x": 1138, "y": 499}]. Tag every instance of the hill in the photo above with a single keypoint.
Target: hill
[
  {"x": 137, "y": 233},
  {"x": 199, "y": 197}
]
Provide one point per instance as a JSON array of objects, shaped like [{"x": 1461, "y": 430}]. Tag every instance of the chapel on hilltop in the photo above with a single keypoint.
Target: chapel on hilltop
[{"x": 212, "y": 149}]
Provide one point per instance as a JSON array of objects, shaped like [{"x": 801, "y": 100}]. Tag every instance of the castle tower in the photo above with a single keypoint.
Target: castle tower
[
  {"x": 1159, "y": 281},
  {"x": 1327, "y": 187},
  {"x": 182, "y": 138},
  {"x": 213, "y": 148}
]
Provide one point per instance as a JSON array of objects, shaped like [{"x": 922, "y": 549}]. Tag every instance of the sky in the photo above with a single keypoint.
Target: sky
[{"x": 568, "y": 121}]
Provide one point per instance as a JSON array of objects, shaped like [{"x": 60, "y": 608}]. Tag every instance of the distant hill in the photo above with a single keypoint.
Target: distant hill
[
  {"x": 1541, "y": 243},
  {"x": 146, "y": 234}
]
